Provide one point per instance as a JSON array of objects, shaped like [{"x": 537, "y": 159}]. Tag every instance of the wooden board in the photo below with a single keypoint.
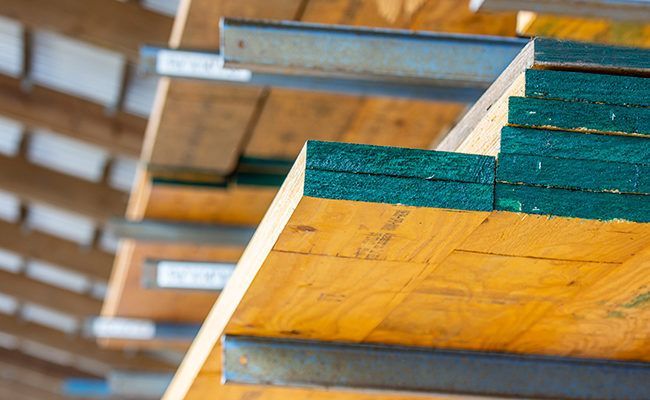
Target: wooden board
[
  {"x": 239, "y": 205},
  {"x": 72, "y": 116},
  {"x": 587, "y": 87},
  {"x": 583, "y": 29},
  {"x": 76, "y": 346},
  {"x": 334, "y": 260},
  {"x": 479, "y": 130},
  {"x": 121, "y": 26},
  {"x": 575, "y": 145},
  {"x": 567, "y": 173},
  {"x": 92, "y": 262},
  {"x": 33, "y": 183},
  {"x": 577, "y": 116},
  {"x": 199, "y": 125}
]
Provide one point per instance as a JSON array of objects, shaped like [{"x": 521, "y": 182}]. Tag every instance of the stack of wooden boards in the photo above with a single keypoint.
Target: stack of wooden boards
[
  {"x": 575, "y": 132},
  {"x": 577, "y": 145},
  {"x": 537, "y": 243}
]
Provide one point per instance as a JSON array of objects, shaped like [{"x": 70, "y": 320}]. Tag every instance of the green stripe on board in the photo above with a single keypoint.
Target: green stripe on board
[
  {"x": 248, "y": 179},
  {"x": 595, "y": 88},
  {"x": 572, "y": 203},
  {"x": 584, "y": 56},
  {"x": 607, "y": 118},
  {"x": 577, "y": 145},
  {"x": 400, "y": 162},
  {"x": 399, "y": 190},
  {"x": 573, "y": 174}
]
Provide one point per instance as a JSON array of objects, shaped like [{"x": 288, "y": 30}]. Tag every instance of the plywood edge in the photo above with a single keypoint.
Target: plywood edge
[
  {"x": 485, "y": 138},
  {"x": 140, "y": 195},
  {"x": 470, "y": 121},
  {"x": 390, "y": 175},
  {"x": 399, "y": 162},
  {"x": 601, "y": 58},
  {"x": 207, "y": 340},
  {"x": 118, "y": 277},
  {"x": 586, "y": 205},
  {"x": 475, "y": 133},
  {"x": 574, "y": 145},
  {"x": 568, "y": 173},
  {"x": 578, "y": 116},
  {"x": 588, "y": 87}
]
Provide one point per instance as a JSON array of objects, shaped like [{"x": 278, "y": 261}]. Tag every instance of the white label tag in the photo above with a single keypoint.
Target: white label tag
[
  {"x": 122, "y": 328},
  {"x": 193, "y": 275},
  {"x": 198, "y": 65}
]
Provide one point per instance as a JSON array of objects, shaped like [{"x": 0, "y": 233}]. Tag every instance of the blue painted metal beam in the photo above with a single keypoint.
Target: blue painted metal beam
[
  {"x": 139, "y": 329},
  {"x": 186, "y": 275},
  {"x": 86, "y": 388},
  {"x": 118, "y": 385},
  {"x": 266, "y": 361},
  {"x": 330, "y": 50},
  {"x": 195, "y": 64},
  {"x": 624, "y": 10}
]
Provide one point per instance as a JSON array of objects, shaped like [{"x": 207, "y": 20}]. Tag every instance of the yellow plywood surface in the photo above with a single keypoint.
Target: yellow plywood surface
[
  {"x": 635, "y": 34},
  {"x": 239, "y": 205},
  {"x": 606, "y": 319},
  {"x": 354, "y": 271}
]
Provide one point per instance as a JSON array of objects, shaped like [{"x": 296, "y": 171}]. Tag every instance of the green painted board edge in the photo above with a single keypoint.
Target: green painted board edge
[
  {"x": 400, "y": 162},
  {"x": 566, "y": 115},
  {"x": 398, "y": 190},
  {"x": 588, "y": 87},
  {"x": 267, "y": 166},
  {"x": 591, "y": 57},
  {"x": 180, "y": 182},
  {"x": 252, "y": 179},
  {"x": 576, "y": 145},
  {"x": 572, "y": 203},
  {"x": 598, "y": 176}
]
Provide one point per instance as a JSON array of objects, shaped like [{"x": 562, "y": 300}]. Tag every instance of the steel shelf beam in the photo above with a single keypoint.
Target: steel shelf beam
[
  {"x": 204, "y": 65},
  {"x": 624, "y": 10},
  {"x": 267, "y": 361},
  {"x": 164, "y": 231},
  {"x": 286, "y": 47},
  {"x": 119, "y": 384}
]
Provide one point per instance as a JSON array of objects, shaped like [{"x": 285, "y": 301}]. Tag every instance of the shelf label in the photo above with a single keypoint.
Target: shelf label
[
  {"x": 197, "y": 65},
  {"x": 123, "y": 328},
  {"x": 193, "y": 275}
]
